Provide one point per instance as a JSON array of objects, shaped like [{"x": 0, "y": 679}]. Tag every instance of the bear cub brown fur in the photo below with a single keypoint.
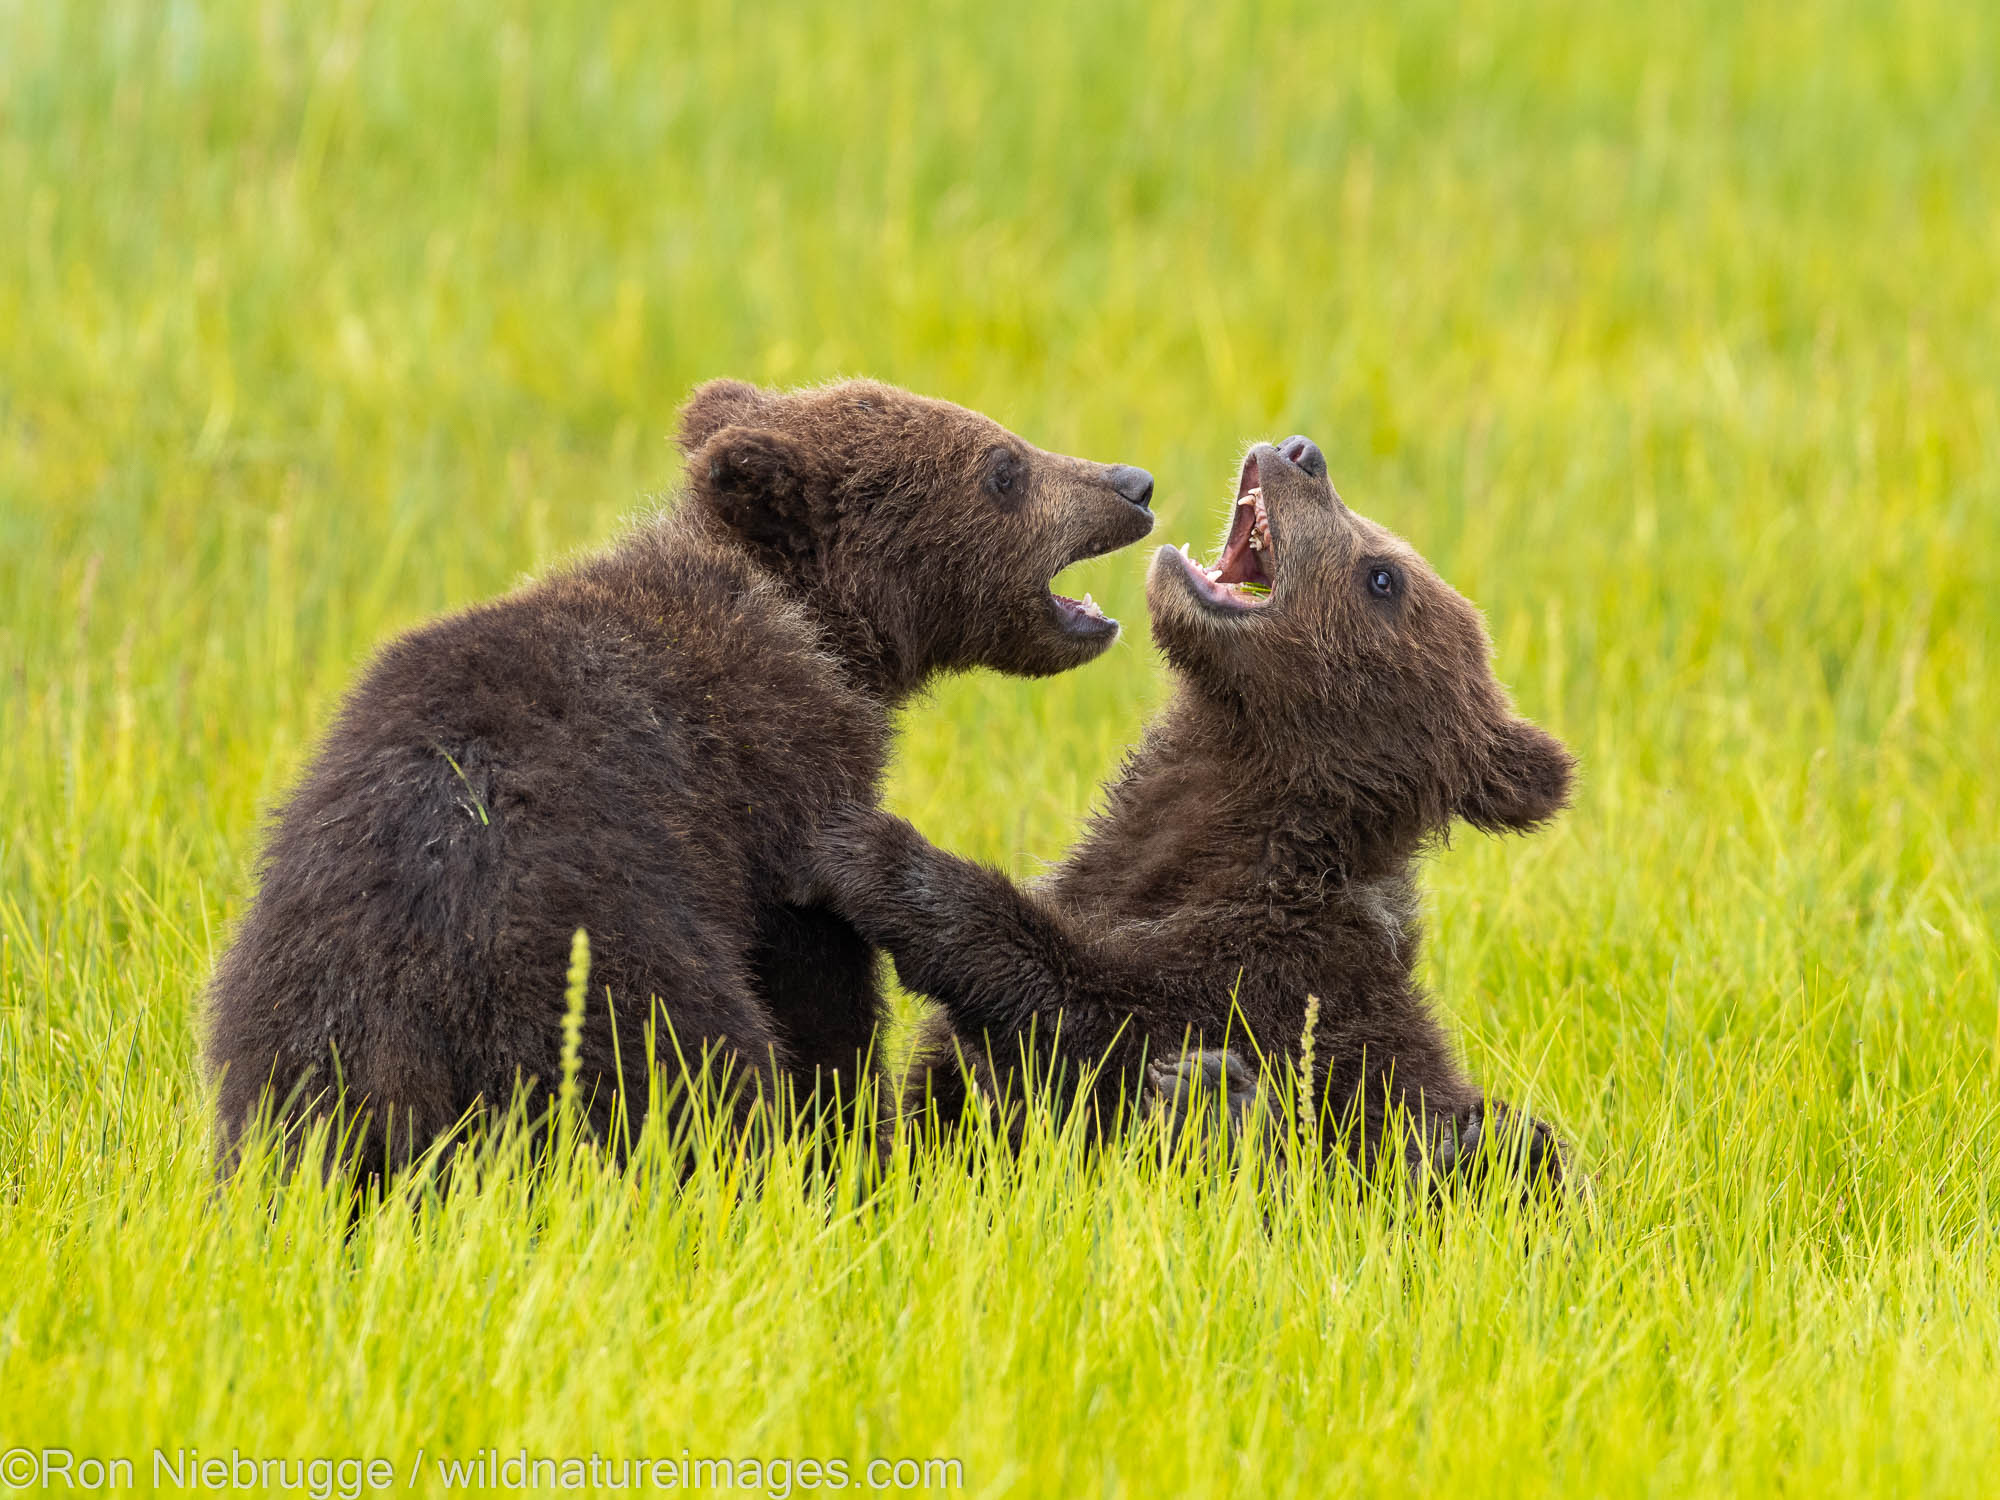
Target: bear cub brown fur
[
  {"x": 1335, "y": 710},
  {"x": 642, "y": 745}
]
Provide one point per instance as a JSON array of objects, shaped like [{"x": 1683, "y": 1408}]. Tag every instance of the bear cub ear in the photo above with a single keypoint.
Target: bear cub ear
[
  {"x": 716, "y": 405},
  {"x": 1523, "y": 780},
  {"x": 761, "y": 484}
]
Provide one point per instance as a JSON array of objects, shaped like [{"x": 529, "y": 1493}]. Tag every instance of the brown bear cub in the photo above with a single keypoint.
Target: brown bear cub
[
  {"x": 642, "y": 745},
  {"x": 1335, "y": 710}
]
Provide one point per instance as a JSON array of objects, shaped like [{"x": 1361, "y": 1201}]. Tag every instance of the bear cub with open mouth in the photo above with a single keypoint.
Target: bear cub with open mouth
[
  {"x": 1335, "y": 710},
  {"x": 642, "y": 744}
]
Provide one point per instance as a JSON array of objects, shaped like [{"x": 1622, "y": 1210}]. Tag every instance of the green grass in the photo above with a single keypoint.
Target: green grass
[{"x": 1672, "y": 334}]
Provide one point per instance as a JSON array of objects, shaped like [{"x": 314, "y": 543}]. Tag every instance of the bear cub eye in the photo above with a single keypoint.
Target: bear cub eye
[
  {"x": 1003, "y": 471},
  {"x": 1383, "y": 583}
]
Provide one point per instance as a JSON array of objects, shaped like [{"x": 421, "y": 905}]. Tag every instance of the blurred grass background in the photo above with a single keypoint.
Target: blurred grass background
[{"x": 1669, "y": 333}]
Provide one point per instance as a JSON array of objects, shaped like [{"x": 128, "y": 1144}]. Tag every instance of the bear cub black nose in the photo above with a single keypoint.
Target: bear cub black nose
[
  {"x": 1304, "y": 452},
  {"x": 1135, "y": 485}
]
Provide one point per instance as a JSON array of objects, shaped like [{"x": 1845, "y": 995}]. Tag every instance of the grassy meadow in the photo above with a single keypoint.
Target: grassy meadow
[{"x": 1671, "y": 334}]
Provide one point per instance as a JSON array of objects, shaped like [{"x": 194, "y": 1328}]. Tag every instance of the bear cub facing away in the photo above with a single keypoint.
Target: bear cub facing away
[
  {"x": 1335, "y": 710},
  {"x": 641, "y": 745}
]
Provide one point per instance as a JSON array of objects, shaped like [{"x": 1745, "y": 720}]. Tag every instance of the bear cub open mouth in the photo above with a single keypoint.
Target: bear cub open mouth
[
  {"x": 1245, "y": 571},
  {"x": 1082, "y": 617},
  {"x": 1081, "y": 614}
]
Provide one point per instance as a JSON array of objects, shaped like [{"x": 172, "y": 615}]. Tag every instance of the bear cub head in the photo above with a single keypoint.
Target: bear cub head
[
  {"x": 1355, "y": 667},
  {"x": 925, "y": 534}
]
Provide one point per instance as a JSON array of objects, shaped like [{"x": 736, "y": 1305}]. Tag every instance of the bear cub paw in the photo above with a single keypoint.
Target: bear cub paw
[
  {"x": 1490, "y": 1139},
  {"x": 1186, "y": 1090}
]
